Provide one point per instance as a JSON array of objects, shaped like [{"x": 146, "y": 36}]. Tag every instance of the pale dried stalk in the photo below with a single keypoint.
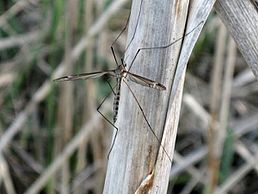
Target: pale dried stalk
[
  {"x": 243, "y": 151},
  {"x": 236, "y": 176},
  {"x": 245, "y": 125},
  {"x": 6, "y": 176},
  {"x": 89, "y": 88},
  {"x": 220, "y": 106},
  {"x": 241, "y": 19},
  {"x": 17, "y": 7},
  {"x": 43, "y": 91},
  {"x": 184, "y": 162},
  {"x": 99, "y": 152},
  {"x": 243, "y": 78},
  {"x": 19, "y": 40},
  {"x": 189, "y": 186},
  {"x": 83, "y": 179},
  {"x": 198, "y": 110},
  {"x": 226, "y": 92},
  {"x": 191, "y": 169},
  {"x": 136, "y": 154},
  {"x": 241, "y": 127},
  {"x": 6, "y": 79},
  {"x": 213, "y": 131},
  {"x": 88, "y": 102},
  {"x": 240, "y": 173},
  {"x": 88, "y": 66},
  {"x": 83, "y": 133},
  {"x": 28, "y": 160},
  {"x": 65, "y": 119}
]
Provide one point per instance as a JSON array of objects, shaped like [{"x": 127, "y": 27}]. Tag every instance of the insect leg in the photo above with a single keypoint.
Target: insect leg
[
  {"x": 146, "y": 120},
  {"x": 137, "y": 22},
  {"x": 112, "y": 46},
  {"x": 98, "y": 109},
  {"x": 123, "y": 30},
  {"x": 112, "y": 88},
  {"x": 162, "y": 47}
]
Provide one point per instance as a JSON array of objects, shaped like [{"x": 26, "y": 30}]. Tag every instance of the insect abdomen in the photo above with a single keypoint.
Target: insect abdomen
[{"x": 116, "y": 100}]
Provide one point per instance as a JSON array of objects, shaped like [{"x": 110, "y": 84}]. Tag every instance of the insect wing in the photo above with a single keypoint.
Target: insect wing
[
  {"x": 145, "y": 81},
  {"x": 84, "y": 76}
]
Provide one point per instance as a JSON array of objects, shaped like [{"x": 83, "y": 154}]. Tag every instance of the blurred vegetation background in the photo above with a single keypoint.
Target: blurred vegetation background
[{"x": 50, "y": 131}]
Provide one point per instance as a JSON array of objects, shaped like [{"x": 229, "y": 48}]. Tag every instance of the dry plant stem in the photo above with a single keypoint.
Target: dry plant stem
[
  {"x": 243, "y": 151},
  {"x": 189, "y": 186},
  {"x": 191, "y": 169},
  {"x": 137, "y": 154},
  {"x": 6, "y": 176},
  {"x": 65, "y": 119},
  {"x": 236, "y": 176},
  {"x": 184, "y": 162},
  {"x": 246, "y": 125},
  {"x": 97, "y": 141},
  {"x": 198, "y": 110},
  {"x": 67, "y": 152},
  {"x": 227, "y": 85},
  {"x": 43, "y": 91},
  {"x": 81, "y": 180},
  {"x": 19, "y": 40},
  {"x": 241, "y": 19},
  {"x": 225, "y": 99},
  {"x": 6, "y": 79},
  {"x": 243, "y": 78},
  {"x": 88, "y": 102},
  {"x": 28, "y": 160},
  {"x": 213, "y": 132},
  {"x": 240, "y": 128},
  {"x": 16, "y": 8},
  {"x": 217, "y": 135}
]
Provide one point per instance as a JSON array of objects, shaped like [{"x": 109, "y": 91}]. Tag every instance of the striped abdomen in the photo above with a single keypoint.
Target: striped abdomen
[{"x": 116, "y": 99}]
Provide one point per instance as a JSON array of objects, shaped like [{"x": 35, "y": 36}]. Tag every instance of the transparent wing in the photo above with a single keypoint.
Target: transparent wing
[
  {"x": 84, "y": 76},
  {"x": 145, "y": 81}
]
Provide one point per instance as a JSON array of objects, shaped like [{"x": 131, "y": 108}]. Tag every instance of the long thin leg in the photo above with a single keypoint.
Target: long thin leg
[
  {"x": 162, "y": 47},
  {"x": 98, "y": 109},
  {"x": 137, "y": 22},
  {"x": 146, "y": 120},
  {"x": 123, "y": 30},
  {"x": 114, "y": 55},
  {"x": 114, "y": 139},
  {"x": 112, "y": 88},
  {"x": 112, "y": 46}
]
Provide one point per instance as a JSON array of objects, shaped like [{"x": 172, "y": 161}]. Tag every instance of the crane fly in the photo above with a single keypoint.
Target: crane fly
[
  {"x": 119, "y": 73},
  {"x": 122, "y": 74}
]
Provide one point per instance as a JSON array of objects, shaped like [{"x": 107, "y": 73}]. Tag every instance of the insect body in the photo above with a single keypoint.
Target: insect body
[
  {"x": 122, "y": 74},
  {"x": 119, "y": 73}
]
